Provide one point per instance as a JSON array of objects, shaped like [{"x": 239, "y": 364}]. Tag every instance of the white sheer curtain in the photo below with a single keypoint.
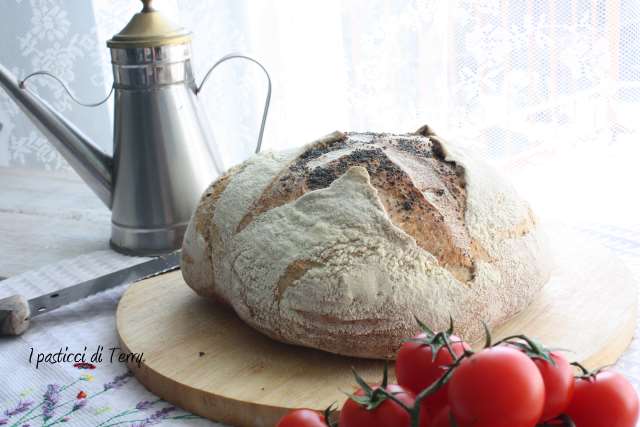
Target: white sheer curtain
[
  {"x": 513, "y": 77},
  {"x": 533, "y": 85}
]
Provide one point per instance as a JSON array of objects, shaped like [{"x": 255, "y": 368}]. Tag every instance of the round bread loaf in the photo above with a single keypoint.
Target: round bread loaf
[{"x": 339, "y": 244}]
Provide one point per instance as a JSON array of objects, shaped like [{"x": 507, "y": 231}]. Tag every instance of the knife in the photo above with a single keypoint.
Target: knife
[{"x": 16, "y": 311}]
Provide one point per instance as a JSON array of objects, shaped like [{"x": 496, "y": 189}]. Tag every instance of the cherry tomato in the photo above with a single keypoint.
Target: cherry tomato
[
  {"x": 497, "y": 387},
  {"x": 558, "y": 385},
  {"x": 609, "y": 400},
  {"x": 302, "y": 418},
  {"x": 387, "y": 414},
  {"x": 442, "y": 418},
  {"x": 417, "y": 369}
]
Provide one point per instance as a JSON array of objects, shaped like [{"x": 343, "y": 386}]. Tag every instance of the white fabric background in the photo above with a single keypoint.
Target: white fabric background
[
  {"x": 547, "y": 90},
  {"x": 512, "y": 77}
]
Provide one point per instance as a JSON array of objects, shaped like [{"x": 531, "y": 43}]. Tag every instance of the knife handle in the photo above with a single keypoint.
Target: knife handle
[{"x": 14, "y": 315}]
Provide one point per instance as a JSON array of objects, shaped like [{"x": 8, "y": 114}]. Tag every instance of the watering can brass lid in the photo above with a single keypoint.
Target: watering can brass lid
[{"x": 149, "y": 28}]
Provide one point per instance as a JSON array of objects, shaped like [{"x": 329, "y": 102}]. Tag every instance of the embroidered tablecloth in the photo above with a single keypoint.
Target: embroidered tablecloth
[{"x": 104, "y": 393}]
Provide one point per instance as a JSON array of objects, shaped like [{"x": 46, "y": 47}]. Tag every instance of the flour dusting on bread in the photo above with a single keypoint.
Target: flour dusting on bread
[{"x": 337, "y": 245}]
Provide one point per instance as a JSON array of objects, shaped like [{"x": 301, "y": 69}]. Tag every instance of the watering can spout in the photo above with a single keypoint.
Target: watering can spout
[{"x": 93, "y": 166}]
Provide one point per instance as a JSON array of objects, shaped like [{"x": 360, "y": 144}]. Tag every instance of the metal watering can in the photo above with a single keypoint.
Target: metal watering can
[{"x": 163, "y": 156}]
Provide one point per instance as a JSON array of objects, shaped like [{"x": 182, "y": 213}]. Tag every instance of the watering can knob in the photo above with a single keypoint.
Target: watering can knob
[{"x": 146, "y": 6}]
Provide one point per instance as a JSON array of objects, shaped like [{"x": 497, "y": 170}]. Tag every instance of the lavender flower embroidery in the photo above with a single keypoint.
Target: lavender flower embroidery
[
  {"x": 156, "y": 417},
  {"x": 21, "y": 407},
  {"x": 4, "y": 421},
  {"x": 79, "y": 404},
  {"x": 118, "y": 381},
  {"x": 144, "y": 404},
  {"x": 51, "y": 397}
]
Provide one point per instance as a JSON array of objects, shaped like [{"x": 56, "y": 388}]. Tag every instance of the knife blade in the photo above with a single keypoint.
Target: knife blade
[{"x": 16, "y": 311}]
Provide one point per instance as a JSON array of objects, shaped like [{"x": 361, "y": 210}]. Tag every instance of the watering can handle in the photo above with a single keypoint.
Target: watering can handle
[
  {"x": 267, "y": 101},
  {"x": 23, "y": 82}
]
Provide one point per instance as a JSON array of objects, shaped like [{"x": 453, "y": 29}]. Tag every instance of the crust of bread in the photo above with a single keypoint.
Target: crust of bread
[{"x": 338, "y": 245}]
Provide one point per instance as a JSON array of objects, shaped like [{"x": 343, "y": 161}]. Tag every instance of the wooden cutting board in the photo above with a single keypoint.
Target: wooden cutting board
[{"x": 201, "y": 357}]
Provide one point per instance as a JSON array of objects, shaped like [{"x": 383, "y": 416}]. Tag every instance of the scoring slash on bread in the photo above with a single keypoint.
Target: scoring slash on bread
[{"x": 339, "y": 244}]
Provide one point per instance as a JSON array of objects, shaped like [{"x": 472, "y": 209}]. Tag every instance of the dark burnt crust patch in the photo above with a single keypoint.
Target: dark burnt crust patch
[
  {"x": 374, "y": 159},
  {"x": 422, "y": 192},
  {"x": 286, "y": 186},
  {"x": 333, "y": 142}
]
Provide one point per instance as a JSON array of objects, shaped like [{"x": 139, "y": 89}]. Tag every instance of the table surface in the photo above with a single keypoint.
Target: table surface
[{"x": 46, "y": 217}]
